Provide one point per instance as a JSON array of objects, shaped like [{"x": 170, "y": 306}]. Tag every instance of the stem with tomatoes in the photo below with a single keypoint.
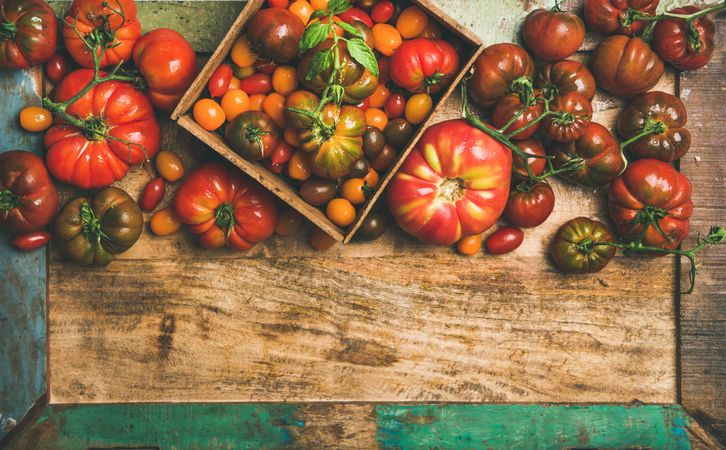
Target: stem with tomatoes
[{"x": 637, "y": 15}]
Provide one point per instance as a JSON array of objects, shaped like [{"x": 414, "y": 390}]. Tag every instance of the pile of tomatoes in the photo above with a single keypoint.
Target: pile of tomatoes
[{"x": 273, "y": 109}]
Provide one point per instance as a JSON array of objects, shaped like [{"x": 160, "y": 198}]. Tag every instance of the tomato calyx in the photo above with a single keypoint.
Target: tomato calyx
[
  {"x": 652, "y": 126},
  {"x": 254, "y": 134},
  {"x": 451, "y": 189},
  {"x": 433, "y": 80},
  {"x": 91, "y": 224},
  {"x": 651, "y": 215},
  {"x": 8, "y": 200},
  {"x": 224, "y": 218},
  {"x": 7, "y": 30}
]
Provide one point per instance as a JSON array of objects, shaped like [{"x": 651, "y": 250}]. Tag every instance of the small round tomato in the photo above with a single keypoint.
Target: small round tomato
[
  {"x": 379, "y": 96},
  {"x": 284, "y": 80},
  {"x": 283, "y": 4},
  {"x": 169, "y": 166},
  {"x": 395, "y": 106},
  {"x": 274, "y": 106},
  {"x": 242, "y": 53},
  {"x": 353, "y": 14},
  {"x": 208, "y": 114},
  {"x": 373, "y": 226},
  {"x": 165, "y": 222},
  {"x": 504, "y": 240},
  {"x": 266, "y": 66},
  {"x": 258, "y": 83},
  {"x": 288, "y": 222},
  {"x": 281, "y": 154},
  {"x": 687, "y": 47},
  {"x": 318, "y": 191},
  {"x": 385, "y": 159},
  {"x": 552, "y": 34},
  {"x": 360, "y": 169},
  {"x": 291, "y": 137},
  {"x": 353, "y": 190},
  {"x": 152, "y": 194},
  {"x": 411, "y": 22},
  {"x": 573, "y": 248},
  {"x": 302, "y": 9},
  {"x": 373, "y": 142},
  {"x": 383, "y": 11},
  {"x": 35, "y": 119},
  {"x": 371, "y": 179},
  {"x": 512, "y": 105},
  {"x": 234, "y": 103},
  {"x": 386, "y": 38},
  {"x": 578, "y": 114},
  {"x": 256, "y": 102},
  {"x": 432, "y": 31},
  {"x": 31, "y": 241},
  {"x": 243, "y": 72},
  {"x": 376, "y": 118},
  {"x": 469, "y": 245},
  {"x": 398, "y": 133},
  {"x": 364, "y": 105},
  {"x": 529, "y": 205},
  {"x": 320, "y": 240},
  {"x": 418, "y": 108},
  {"x": 56, "y": 68},
  {"x": 253, "y": 135},
  {"x": 219, "y": 81},
  {"x": 299, "y": 168},
  {"x": 319, "y": 4},
  {"x": 529, "y": 146},
  {"x": 340, "y": 211},
  {"x": 234, "y": 83}
]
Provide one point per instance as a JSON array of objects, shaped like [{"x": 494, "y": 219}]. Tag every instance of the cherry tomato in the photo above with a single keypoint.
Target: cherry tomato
[
  {"x": 288, "y": 222},
  {"x": 208, "y": 114},
  {"x": 353, "y": 14},
  {"x": 265, "y": 66},
  {"x": 284, "y": 80},
  {"x": 386, "y": 38},
  {"x": 165, "y": 222},
  {"x": 383, "y": 11},
  {"x": 278, "y": 3},
  {"x": 152, "y": 194},
  {"x": 418, "y": 108},
  {"x": 378, "y": 98},
  {"x": 340, "y": 211},
  {"x": 31, "y": 241},
  {"x": 291, "y": 137},
  {"x": 234, "y": 103},
  {"x": 353, "y": 190},
  {"x": 321, "y": 241},
  {"x": 319, "y": 4},
  {"x": 371, "y": 180},
  {"x": 376, "y": 118},
  {"x": 35, "y": 118},
  {"x": 432, "y": 31},
  {"x": 219, "y": 81},
  {"x": 274, "y": 106},
  {"x": 469, "y": 245},
  {"x": 385, "y": 159},
  {"x": 242, "y": 54},
  {"x": 364, "y": 105},
  {"x": 169, "y": 166},
  {"x": 56, "y": 68},
  {"x": 298, "y": 167},
  {"x": 318, "y": 191},
  {"x": 395, "y": 106},
  {"x": 411, "y": 22},
  {"x": 277, "y": 169},
  {"x": 258, "y": 83},
  {"x": 256, "y": 102},
  {"x": 302, "y": 9},
  {"x": 234, "y": 83},
  {"x": 373, "y": 226},
  {"x": 529, "y": 206},
  {"x": 504, "y": 240}
]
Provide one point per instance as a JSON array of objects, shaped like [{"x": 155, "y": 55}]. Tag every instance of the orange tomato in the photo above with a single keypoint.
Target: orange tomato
[
  {"x": 319, "y": 4},
  {"x": 320, "y": 240},
  {"x": 208, "y": 114},
  {"x": 256, "y": 102},
  {"x": 340, "y": 211},
  {"x": 234, "y": 83},
  {"x": 302, "y": 9},
  {"x": 164, "y": 222},
  {"x": 411, "y": 22},
  {"x": 169, "y": 166},
  {"x": 234, "y": 103},
  {"x": 35, "y": 118},
  {"x": 376, "y": 118},
  {"x": 242, "y": 54},
  {"x": 371, "y": 179},
  {"x": 298, "y": 168},
  {"x": 386, "y": 38},
  {"x": 379, "y": 96},
  {"x": 274, "y": 106},
  {"x": 469, "y": 245},
  {"x": 432, "y": 31},
  {"x": 288, "y": 222},
  {"x": 290, "y": 135},
  {"x": 284, "y": 80},
  {"x": 353, "y": 190},
  {"x": 418, "y": 108}
]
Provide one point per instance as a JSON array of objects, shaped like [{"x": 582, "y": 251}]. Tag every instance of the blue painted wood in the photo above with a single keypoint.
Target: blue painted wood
[{"x": 22, "y": 275}]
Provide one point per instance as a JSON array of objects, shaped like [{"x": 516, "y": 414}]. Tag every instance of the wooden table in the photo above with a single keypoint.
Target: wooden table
[{"x": 343, "y": 341}]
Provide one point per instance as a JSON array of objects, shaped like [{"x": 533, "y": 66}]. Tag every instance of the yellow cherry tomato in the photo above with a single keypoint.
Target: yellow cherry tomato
[
  {"x": 242, "y": 53},
  {"x": 234, "y": 83},
  {"x": 379, "y": 96},
  {"x": 340, "y": 211},
  {"x": 469, "y": 245},
  {"x": 376, "y": 118},
  {"x": 302, "y": 9},
  {"x": 208, "y": 114},
  {"x": 418, "y": 108},
  {"x": 284, "y": 80},
  {"x": 274, "y": 106},
  {"x": 412, "y": 22},
  {"x": 35, "y": 118},
  {"x": 164, "y": 222},
  {"x": 234, "y": 103},
  {"x": 291, "y": 137},
  {"x": 386, "y": 38},
  {"x": 169, "y": 166},
  {"x": 319, "y": 4},
  {"x": 256, "y": 102},
  {"x": 321, "y": 241},
  {"x": 298, "y": 167},
  {"x": 353, "y": 190}
]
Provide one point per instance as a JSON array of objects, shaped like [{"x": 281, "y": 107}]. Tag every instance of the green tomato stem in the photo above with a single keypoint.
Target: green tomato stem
[
  {"x": 636, "y": 15},
  {"x": 7, "y": 30},
  {"x": 8, "y": 200},
  {"x": 91, "y": 224},
  {"x": 224, "y": 218}
]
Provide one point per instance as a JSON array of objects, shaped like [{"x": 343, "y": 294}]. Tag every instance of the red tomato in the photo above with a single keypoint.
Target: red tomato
[
  {"x": 152, "y": 194},
  {"x": 278, "y": 3},
  {"x": 168, "y": 64},
  {"x": 566, "y": 76},
  {"x": 606, "y": 16},
  {"x": 395, "y": 105},
  {"x": 86, "y": 16},
  {"x": 384, "y": 69},
  {"x": 123, "y": 110},
  {"x": 674, "y": 42},
  {"x": 281, "y": 154},
  {"x": 225, "y": 207},
  {"x": 625, "y": 66},
  {"x": 454, "y": 183},
  {"x": 31, "y": 241},
  {"x": 424, "y": 65},
  {"x": 529, "y": 205},
  {"x": 494, "y": 71},
  {"x": 266, "y": 66},
  {"x": 537, "y": 165},
  {"x": 510, "y": 106},
  {"x": 56, "y": 68},
  {"x": 258, "y": 83},
  {"x": 219, "y": 81},
  {"x": 579, "y": 114},
  {"x": 356, "y": 14},
  {"x": 551, "y": 34},
  {"x": 29, "y": 33},
  {"x": 28, "y": 198},
  {"x": 504, "y": 240},
  {"x": 364, "y": 105},
  {"x": 383, "y": 11}
]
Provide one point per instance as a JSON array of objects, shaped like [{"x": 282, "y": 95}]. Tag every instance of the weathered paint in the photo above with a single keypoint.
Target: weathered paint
[{"x": 22, "y": 276}]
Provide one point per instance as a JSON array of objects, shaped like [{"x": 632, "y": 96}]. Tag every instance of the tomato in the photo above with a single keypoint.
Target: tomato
[
  {"x": 35, "y": 119},
  {"x": 607, "y": 16},
  {"x": 302, "y": 10},
  {"x": 256, "y": 102},
  {"x": 265, "y": 66},
  {"x": 510, "y": 106},
  {"x": 373, "y": 226},
  {"x": 395, "y": 106},
  {"x": 234, "y": 83},
  {"x": 454, "y": 183},
  {"x": 278, "y": 3},
  {"x": 385, "y": 159},
  {"x": 164, "y": 222},
  {"x": 379, "y": 97},
  {"x": 495, "y": 70},
  {"x": 432, "y": 31},
  {"x": 274, "y": 106},
  {"x": 29, "y": 33},
  {"x": 572, "y": 248},
  {"x": 383, "y": 11},
  {"x": 625, "y": 65},
  {"x": 579, "y": 110},
  {"x": 340, "y": 211},
  {"x": 384, "y": 69},
  {"x": 281, "y": 154},
  {"x": 299, "y": 167},
  {"x": 56, "y": 68},
  {"x": 208, "y": 114},
  {"x": 169, "y": 166},
  {"x": 424, "y": 65},
  {"x": 530, "y": 146},
  {"x": 418, "y": 108},
  {"x": 275, "y": 33},
  {"x": 234, "y": 103},
  {"x": 360, "y": 169},
  {"x": 364, "y": 105},
  {"x": 566, "y": 76},
  {"x": 319, "y": 4},
  {"x": 116, "y": 106},
  {"x": 320, "y": 240},
  {"x": 253, "y": 135},
  {"x": 529, "y": 205},
  {"x": 225, "y": 207},
  {"x": 258, "y": 83},
  {"x": 504, "y": 240},
  {"x": 353, "y": 14},
  {"x": 90, "y": 231},
  {"x": 661, "y": 111},
  {"x": 290, "y": 135},
  {"x": 552, "y": 34},
  {"x": 650, "y": 197},
  {"x": 387, "y": 39},
  {"x": 243, "y": 72},
  {"x": 686, "y": 47},
  {"x": 85, "y": 16},
  {"x": 31, "y": 241},
  {"x": 600, "y": 151},
  {"x": 242, "y": 54},
  {"x": 168, "y": 64},
  {"x": 376, "y": 118},
  {"x": 152, "y": 194},
  {"x": 219, "y": 81},
  {"x": 28, "y": 197},
  {"x": 412, "y": 22},
  {"x": 288, "y": 222},
  {"x": 353, "y": 190},
  {"x": 318, "y": 191},
  {"x": 398, "y": 133},
  {"x": 284, "y": 80},
  {"x": 373, "y": 142}
]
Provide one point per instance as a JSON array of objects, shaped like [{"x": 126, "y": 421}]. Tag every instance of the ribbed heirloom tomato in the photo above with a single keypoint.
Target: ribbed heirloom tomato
[
  {"x": 607, "y": 16},
  {"x": 552, "y": 34},
  {"x": 625, "y": 66},
  {"x": 454, "y": 183},
  {"x": 28, "y": 33},
  {"x": 674, "y": 41},
  {"x": 566, "y": 76},
  {"x": 424, "y": 65},
  {"x": 495, "y": 70}
]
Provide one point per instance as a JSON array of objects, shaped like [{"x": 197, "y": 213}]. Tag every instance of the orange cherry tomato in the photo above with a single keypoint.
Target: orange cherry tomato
[
  {"x": 256, "y": 102},
  {"x": 412, "y": 22},
  {"x": 321, "y": 241},
  {"x": 35, "y": 118},
  {"x": 284, "y": 80},
  {"x": 432, "y": 31},
  {"x": 376, "y": 118},
  {"x": 169, "y": 166},
  {"x": 469, "y": 245},
  {"x": 234, "y": 83},
  {"x": 234, "y": 103},
  {"x": 274, "y": 106},
  {"x": 319, "y": 4},
  {"x": 164, "y": 222},
  {"x": 353, "y": 190},
  {"x": 242, "y": 54},
  {"x": 291, "y": 137},
  {"x": 152, "y": 194},
  {"x": 288, "y": 222},
  {"x": 208, "y": 114},
  {"x": 418, "y": 108},
  {"x": 298, "y": 168},
  {"x": 379, "y": 96},
  {"x": 386, "y": 38},
  {"x": 371, "y": 179},
  {"x": 340, "y": 211},
  {"x": 302, "y": 9}
]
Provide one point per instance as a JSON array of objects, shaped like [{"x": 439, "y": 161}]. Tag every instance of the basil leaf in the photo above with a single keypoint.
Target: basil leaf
[
  {"x": 363, "y": 54},
  {"x": 314, "y": 34},
  {"x": 318, "y": 13},
  {"x": 350, "y": 29},
  {"x": 321, "y": 61},
  {"x": 338, "y": 6}
]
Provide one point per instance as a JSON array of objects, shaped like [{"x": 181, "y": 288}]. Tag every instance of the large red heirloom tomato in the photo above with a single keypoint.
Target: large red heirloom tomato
[
  {"x": 28, "y": 33},
  {"x": 424, "y": 65},
  {"x": 87, "y": 15},
  {"x": 168, "y": 64},
  {"x": 552, "y": 34},
  {"x": 115, "y": 108},
  {"x": 625, "y": 66},
  {"x": 651, "y": 200},
  {"x": 495, "y": 70},
  {"x": 687, "y": 48},
  {"x": 454, "y": 183},
  {"x": 225, "y": 207}
]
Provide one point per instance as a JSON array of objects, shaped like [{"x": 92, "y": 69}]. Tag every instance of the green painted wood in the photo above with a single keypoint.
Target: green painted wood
[{"x": 22, "y": 276}]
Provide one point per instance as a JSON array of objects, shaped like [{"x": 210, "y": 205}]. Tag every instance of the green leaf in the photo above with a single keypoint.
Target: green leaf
[
  {"x": 321, "y": 61},
  {"x": 338, "y": 6},
  {"x": 314, "y": 34},
  {"x": 318, "y": 13},
  {"x": 350, "y": 29},
  {"x": 363, "y": 54}
]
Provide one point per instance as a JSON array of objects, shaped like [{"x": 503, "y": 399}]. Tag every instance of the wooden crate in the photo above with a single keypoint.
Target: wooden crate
[{"x": 277, "y": 184}]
